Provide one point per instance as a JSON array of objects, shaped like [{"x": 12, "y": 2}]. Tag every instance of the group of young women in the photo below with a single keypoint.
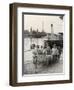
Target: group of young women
[{"x": 45, "y": 54}]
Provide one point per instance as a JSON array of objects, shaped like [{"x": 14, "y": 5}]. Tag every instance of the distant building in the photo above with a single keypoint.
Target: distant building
[
  {"x": 60, "y": 35},
  {"x": 53, "y": 36},
  {"x": 26, "y": 33}
]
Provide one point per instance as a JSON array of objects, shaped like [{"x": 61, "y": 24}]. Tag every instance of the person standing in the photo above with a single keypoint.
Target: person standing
[{"x": 55, "y": 53}]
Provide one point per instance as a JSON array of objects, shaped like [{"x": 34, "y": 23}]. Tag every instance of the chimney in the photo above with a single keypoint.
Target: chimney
[{"x": 52, "y": 32}]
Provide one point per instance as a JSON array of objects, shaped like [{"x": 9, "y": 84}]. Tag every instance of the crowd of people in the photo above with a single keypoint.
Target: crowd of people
[{"x": 45, "y": 53}]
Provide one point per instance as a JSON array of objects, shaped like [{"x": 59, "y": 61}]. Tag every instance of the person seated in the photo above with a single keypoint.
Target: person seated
[
  {"x": 35, "y": 50},
  {"x": 39, "y": 50},
  {"x": 35, "y": 53},
  {"x": 55, "y": 50},
  {"x": 47, "y": 54},
  {"x": 47, "y": 49},
  {"x": 55, "y": 53}
]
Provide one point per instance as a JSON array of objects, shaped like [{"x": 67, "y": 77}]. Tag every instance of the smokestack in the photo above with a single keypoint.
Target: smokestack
[{"x": 52, "y": 32}]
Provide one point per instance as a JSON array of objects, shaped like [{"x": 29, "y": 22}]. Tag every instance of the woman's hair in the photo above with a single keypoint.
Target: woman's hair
[
  {"x": 54, "y": 45},
  {"x": 37, "y": 46},
  {"x": 41, "y": 46}
]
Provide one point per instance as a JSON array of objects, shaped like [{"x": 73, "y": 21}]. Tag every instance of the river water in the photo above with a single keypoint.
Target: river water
[
  {"x": 28, "y": 42},
  {"x": 28, "y": 56}
]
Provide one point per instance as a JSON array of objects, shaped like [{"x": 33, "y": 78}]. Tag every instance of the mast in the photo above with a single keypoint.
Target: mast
[{"x": 42, "y": 26}]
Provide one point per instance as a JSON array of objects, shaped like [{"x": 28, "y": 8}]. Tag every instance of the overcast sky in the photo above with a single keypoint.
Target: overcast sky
[{"x": 35, "y": 21}]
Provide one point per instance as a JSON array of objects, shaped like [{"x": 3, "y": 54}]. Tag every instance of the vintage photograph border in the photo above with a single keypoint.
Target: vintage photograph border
[
  {"x": 29, "y": 13},
  {"x": 13, "y": 43}
]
